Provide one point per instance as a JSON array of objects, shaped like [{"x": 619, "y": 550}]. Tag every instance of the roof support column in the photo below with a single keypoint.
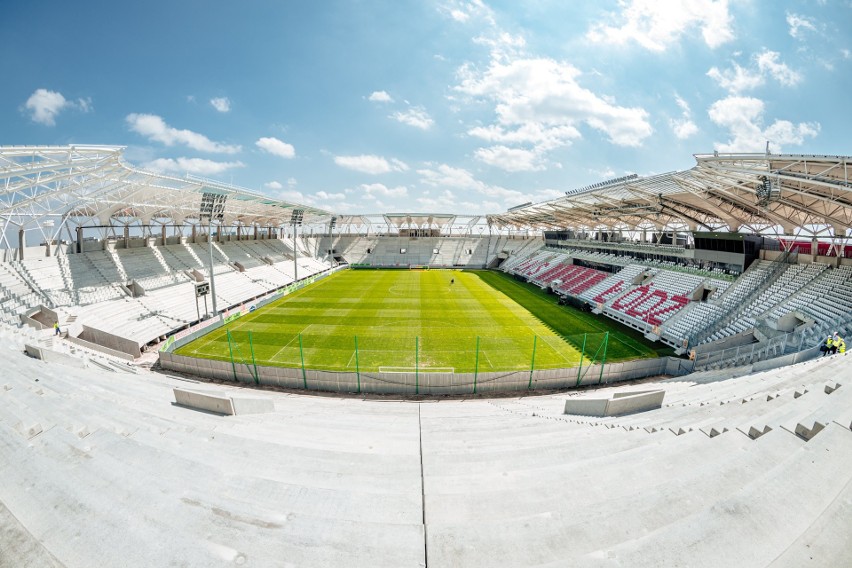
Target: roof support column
[
  {"x": 79, "y": 240},
  {"x": 21, "y": 244},
  {"x": 165, "y": 238}
]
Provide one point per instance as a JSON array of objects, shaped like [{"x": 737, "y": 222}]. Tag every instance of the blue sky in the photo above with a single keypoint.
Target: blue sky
[{"x": 465, "y": 107}]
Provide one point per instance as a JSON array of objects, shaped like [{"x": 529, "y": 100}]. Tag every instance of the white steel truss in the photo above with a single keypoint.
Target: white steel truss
[
  {"x": 47, "y": 188},
  {"x": 753, "y": 191}
]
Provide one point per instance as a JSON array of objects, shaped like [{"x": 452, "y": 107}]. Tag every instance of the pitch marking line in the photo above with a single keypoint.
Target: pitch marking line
[{"x": 286, "y": 345}]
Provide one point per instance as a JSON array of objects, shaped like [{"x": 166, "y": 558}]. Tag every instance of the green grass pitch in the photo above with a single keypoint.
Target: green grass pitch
[{"x": 404, "y": 319}]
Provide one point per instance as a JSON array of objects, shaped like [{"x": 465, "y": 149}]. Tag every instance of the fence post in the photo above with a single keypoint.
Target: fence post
[
  {"x": 476, "y": 365},
  {"x": 603, "y": 362},
  {"x": 582, "y": 354},
  {"x": 532, "y": 362},
  {"x": 231, "y": 352},
  {"x": 416, "y": 365},
  {"x": 253, "y": 361},
  {"x": 302, "y": 357},
  {"x": 357, "y": 367}
]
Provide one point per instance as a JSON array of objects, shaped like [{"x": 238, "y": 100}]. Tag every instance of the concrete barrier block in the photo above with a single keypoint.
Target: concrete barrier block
[
  {"x": 242, "y": 405},
  {"x": 204, "y": 401}
]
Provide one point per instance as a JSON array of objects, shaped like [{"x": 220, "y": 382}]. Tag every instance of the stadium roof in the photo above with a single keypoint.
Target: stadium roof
[
  {"x": 723, "y": 191},
  {"x": 93, "y": 185}
]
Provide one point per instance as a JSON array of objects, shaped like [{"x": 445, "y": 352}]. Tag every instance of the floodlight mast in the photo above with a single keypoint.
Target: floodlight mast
[
  {"x": 212, "y": 205},
  {"x": 296, "y": 220}
]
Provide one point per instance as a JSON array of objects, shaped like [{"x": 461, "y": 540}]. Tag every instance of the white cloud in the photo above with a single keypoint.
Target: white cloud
[
  {"x": 769, "y": 62},
  {"x": 276, "y": 147},
  {"x": 294, "y": 196},
  {"x": 448, "y": 177},
  {"x": 799, "y": 23},
  {"x": 374, "y": 189},
  {"x": 656, "y": 25},
  {"x": 273, "y": 185},
  {"x": 459, "y": 15},
  {"x": 743, "y": 118},
  {"x": 191, "y": 165},
  {"x": 414, "y": 116},
  {"x": 221, "y": 104},
  {"x": 462, "y": 11},
  {"x": 737, "y": 79},
  {"x": 503, "y": 45},
  {"x": 45, "y": 106},
  {"x": 605, "y": 173},
  {"x": 541, "y": 97},
  {"x": 370, "y": 164},
  {"x": 510, "y": 159},
  {"x": 155, "y": 128},
  {"x": 380, "y": 97},
  {"x": 330, "y": 196},
  {"x": 766, "y": 64},
  {"x": 683, "y": 127},
  {"x": 543, "y": 137}
]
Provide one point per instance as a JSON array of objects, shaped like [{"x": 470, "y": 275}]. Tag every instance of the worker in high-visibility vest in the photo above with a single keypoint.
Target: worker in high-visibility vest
[
  {"x": 840, "y": 344},
  {"x": 826, "y": 347},
  {"x": 835, "y": 343}
]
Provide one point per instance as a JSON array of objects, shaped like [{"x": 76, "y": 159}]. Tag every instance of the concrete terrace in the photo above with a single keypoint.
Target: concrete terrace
[{"x": 101, "y": 467}]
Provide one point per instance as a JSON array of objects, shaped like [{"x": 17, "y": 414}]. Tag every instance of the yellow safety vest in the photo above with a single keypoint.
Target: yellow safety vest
[{"x": 841, "y": 346}]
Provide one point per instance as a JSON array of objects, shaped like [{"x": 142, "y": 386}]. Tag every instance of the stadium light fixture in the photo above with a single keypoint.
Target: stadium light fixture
[{"x": 296, "y": 220}]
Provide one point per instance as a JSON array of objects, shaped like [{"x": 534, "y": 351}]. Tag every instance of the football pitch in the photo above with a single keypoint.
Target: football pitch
[{"x": 430, "y": 320}]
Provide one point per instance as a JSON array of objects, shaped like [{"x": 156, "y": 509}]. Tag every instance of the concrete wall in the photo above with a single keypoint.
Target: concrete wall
[
  {"x": 110, "y": 341},
  {"x": 51, "y": 356},
  {"x": 99, "y": 348},
  {"x": 619, "y": 405}
]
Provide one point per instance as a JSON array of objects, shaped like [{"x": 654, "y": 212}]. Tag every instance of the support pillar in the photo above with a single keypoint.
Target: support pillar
[
  {"x": 79, "y": 239},
  {"x": 126, "y": 237},
  {"x": 165, "y": 238},
  {"x": 194, "y": 236},
  {"x": 21, "y": 244},
  {"x": 255, "y": 232}
]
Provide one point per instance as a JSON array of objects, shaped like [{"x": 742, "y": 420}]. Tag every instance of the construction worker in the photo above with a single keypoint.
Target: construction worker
[
  {"x": 840, "y": 345},
  {"x": 835, "y": 340},
  {"x": 826, "y": 347}
]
